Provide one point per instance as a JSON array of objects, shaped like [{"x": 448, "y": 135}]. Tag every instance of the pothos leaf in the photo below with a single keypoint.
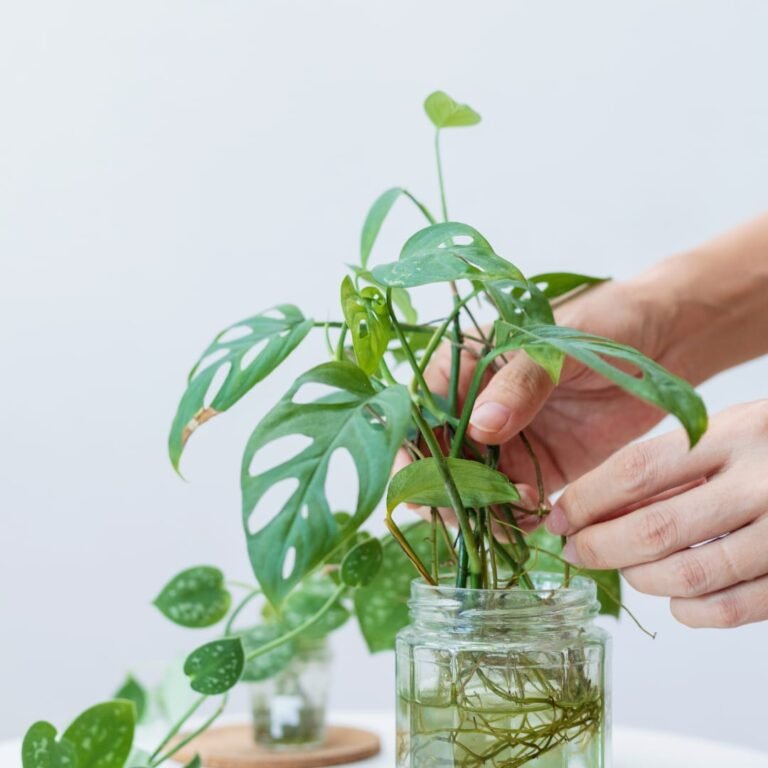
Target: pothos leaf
[
  {"x": 367, "y": 316},
  {"x": 196, "y": 597},
  {"x": 546, "y": 554},
  {"x": 445, "y": 252},
  {"x": 306, "y": 600},
  {"x": 133, "y": 690},
  {"x": 267, "y": 664},
  {"x": 655, "y": 385},
  {"x": 102, "y": 735},
  {"x": 216, "y": 666},
  {"x": 41, "y": 750},
  {"x": 381, "y": 607},
  {"x": 368, "y": 424},
  {"x": 248, "y": 351},
  {"x": 444, "y": 112},
  {"x": 362, "y": 563},
  {"x": 478, "y": 485}
]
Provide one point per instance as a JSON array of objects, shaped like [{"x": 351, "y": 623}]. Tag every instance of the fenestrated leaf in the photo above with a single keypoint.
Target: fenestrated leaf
[
  {"x": 41, "y": 750},
  {"x": 369, "y": 425},
  {"x": 478, "y": 485},
  {"x": 400, "y": 296},
  {"x": 362, "y": 563},
  {"x": 373, "y": 221},
  {"x": 445, "y": 252},
  {"x": 133, "y": 690},
  {"x": 102, "y": 735},
  {"x": 555, "y": 284},
  {"x": 444, "y": 112},
  {"x": 367, "y": 316},
  {"x": 546, "y": 555},
  {"x": 267, "y": 664},
  {"x": 381, "y": 607},
  {"x": 249, "y": 351},
  {"x": 196, "y": 597},
  {"x": 216, "y": 666},
  {"x": 655, "y": 385}
]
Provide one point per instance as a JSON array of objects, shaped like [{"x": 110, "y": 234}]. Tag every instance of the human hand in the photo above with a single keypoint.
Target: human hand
[{"x": 647, "y": 508}]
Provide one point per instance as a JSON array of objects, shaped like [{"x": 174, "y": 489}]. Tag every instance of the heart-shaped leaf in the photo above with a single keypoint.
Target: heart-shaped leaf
[
  {"x": 102, "y": 735},
  {"x": 41, "y": 750},
  {"x": 133, "y": 690},
  {"x": 362, "y": 563},
  {"x": 655, "y": 385},
  {"x": 367, "y": 316},
  {"x": 368, "y": 424},
  {"x": 381, "y": 607},
  {"x": 442, "y": 253},
  {"x": 444, "y": 112},
  {"x": 478, "y": 485},
  {"x": 216, "y": 666},
  {"x": 245, "y": 353},
  {"x": 307, "y": 600},
  {"x": 196, "y": 597},
  {"x": 268, "y": 664},
  {"x": 546, "y": 555}
]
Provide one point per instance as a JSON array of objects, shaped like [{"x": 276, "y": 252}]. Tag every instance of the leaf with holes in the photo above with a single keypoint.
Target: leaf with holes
[
  {"x": 442, "y": 253},
  {"x": 133, "y": 690},
  {"x": 102, "y": 735},
  {"x": 655, "y": 385},
  {"x": 196, "y": 597},
  {"x": 546, "y": 555},
  {"x": 367, "y": 316},
  {"x": 362, "y": 563},
  {"x": 242, "y": 355},
  {"x": 555, "y": 284},
  {"x": 381, "y": 607},
  {"x": 270, "y": 663},
  {"x": 41, "y": 750},
  {"x": 400, "y": 296},
  {"x": 216, "y": 666},
  {"x": 444, "y": 112},
  {"x": 478, "y": 485},
  {"x": 368, "y": 424}
]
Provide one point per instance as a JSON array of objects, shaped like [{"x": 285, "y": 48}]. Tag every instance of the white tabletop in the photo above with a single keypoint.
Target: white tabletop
[{"x": 632, "y": 747}]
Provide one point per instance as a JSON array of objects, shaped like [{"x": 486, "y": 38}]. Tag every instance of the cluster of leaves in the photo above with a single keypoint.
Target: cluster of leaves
[{"x": 315, "y": 566}]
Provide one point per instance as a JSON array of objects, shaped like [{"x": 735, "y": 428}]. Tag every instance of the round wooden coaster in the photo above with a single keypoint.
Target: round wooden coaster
[{"x": 232, "y": 746}]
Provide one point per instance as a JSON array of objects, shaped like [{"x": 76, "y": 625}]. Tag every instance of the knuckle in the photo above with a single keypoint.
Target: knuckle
[
  {"x": 657, "y": 532},
  {"x": 692, "y": 577},
  {"x": 520, "y": 379},
  {"x": 728, "y": 610},
  {"x": 637, "y": 468}
]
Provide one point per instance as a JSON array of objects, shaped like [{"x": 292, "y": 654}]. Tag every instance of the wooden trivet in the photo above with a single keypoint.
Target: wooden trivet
[{"x": 232, "y": 746}]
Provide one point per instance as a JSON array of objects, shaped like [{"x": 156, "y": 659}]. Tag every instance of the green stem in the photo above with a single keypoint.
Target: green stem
[
  {"x": 567, "y": 566},
  {"x": 298, "y": 629},
  {"x": 178, "y": 726},
  {"x": 435, "y": 558},
  {"x": 409, "y": 551},
  {"x": 340, "y": 342},
  {"x": 423, "y": 208},
  {"x": 450, "y": 487},
  {"x": 440, "y": 179},
  {"x": 239, "y": 609},
  {"x": 204, "y": 727}
]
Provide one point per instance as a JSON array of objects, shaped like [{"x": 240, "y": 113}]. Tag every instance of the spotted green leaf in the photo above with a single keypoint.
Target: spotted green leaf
[
  {"x": 444, "y": 112},
  {"x": 478, "y": 485},
  {"x": 306, "y": 600},
  {"x": 243, "y": 355},
  {"x": 267, "y": 664},
  {"x": 442, "y": 253},
  {"x": 654, "y": 385},
  {"x": 216, "y": 666},
  {"x": 284, "y": 545},
  {"x": 102, "y": 735},
  {"x": 362, "y": 563},
  {"x": 196, "y": 597},
  {"x": 41, "y": 750}
]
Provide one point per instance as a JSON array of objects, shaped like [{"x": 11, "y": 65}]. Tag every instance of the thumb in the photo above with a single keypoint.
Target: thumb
[{"x": 508, "y": 404}]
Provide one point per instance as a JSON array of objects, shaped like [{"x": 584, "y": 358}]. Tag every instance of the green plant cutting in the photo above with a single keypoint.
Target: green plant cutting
[{"x": 375, "y": 402}]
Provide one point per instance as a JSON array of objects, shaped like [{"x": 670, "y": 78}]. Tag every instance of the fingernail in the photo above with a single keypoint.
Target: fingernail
[
  {"x": 557, "y": 522},
  {"x": 569, "y": 553},
  {"x": 490, "y": 417}
]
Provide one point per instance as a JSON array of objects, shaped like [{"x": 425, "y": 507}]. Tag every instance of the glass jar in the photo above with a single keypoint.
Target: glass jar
[
  {"x": 505, "y": 678},
  {"x": 289, "y": 707}
]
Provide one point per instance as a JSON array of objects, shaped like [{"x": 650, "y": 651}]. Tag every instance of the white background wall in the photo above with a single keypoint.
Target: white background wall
[{"x": 168, "y": 167}]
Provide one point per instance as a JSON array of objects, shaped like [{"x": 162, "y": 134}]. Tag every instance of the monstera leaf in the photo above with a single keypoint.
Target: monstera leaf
[
  {"x": 248, "y": 351},
  {"x": 368, "y": 424},
  {"x": 445, "y": 252},
  {"x": 655, "y": 384},
  {"x": 444, "y": 112},
  {"x": 555, "y": 284}
]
